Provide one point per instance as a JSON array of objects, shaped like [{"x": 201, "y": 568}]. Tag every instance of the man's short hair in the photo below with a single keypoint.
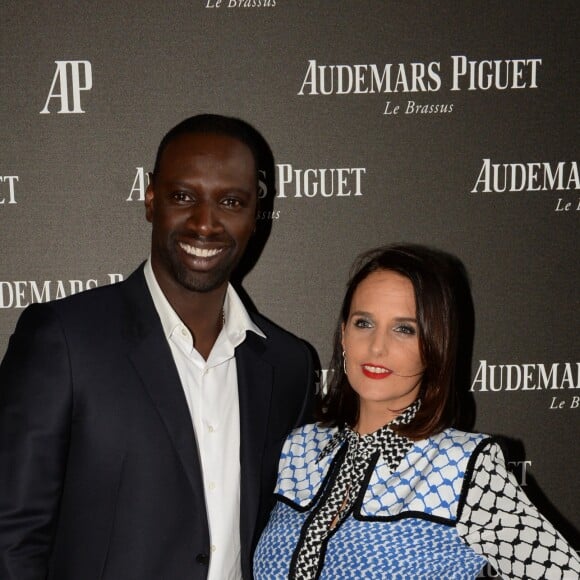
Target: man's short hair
[{"x": 215, "y": 125}]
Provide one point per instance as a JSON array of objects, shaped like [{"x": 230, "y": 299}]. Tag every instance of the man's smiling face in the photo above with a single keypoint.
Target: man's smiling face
[{"x": 202, "y": 205}]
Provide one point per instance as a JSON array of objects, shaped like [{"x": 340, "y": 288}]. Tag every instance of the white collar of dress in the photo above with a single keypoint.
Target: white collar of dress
[{"x": 385, "y": 439}]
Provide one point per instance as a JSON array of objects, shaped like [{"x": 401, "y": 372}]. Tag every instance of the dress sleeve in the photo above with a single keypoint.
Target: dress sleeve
[{"x": 499, "y": 522}]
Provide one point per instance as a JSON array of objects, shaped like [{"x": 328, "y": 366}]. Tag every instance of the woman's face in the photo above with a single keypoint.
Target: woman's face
[{"x": 381, "y": 344}]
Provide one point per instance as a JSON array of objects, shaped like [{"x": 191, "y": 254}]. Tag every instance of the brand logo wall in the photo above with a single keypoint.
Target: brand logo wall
[
  {"x": 458, "y": 74},
  {"x": 339, "y": 182},
  {"x": 290, "y": 182},
  {"x": 414, "y": 77},
  {"x": 22, "y": 293},
  {"x": 7, "y": 189},
  {"x": 70, "y": 79},
  {"x": 526, "y": 377},
  {"x": 529, "y": 177},
  {"x": 537, "y": 176}
]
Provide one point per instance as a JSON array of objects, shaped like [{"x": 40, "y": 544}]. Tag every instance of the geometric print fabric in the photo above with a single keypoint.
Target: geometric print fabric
[
  {"x": 428, "y": 479},
  {"x": 499, "y": 520},
  {"x": 450, "y": 505},
  {"x": 343, "y": 488},
  {"x": 410, "y": 548},
  {"x": 367, "y": 550}
]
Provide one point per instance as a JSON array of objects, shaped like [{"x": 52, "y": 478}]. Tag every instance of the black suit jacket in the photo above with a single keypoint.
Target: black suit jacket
[{"x": 100, "y": 476}]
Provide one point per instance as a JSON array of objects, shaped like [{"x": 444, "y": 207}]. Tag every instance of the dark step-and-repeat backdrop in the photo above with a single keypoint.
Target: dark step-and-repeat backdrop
[{"x": 452, "y": 124}]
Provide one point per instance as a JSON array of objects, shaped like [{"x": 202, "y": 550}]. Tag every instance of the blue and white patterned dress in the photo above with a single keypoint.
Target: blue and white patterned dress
[{"x": 439, "y": 508}]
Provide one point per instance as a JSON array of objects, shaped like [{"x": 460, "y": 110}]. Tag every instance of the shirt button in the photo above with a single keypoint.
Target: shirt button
[
  {"x": 213, "y": 548},
  {"x": 210, "y": 428},
  {"x": 184, "y": 331},
  {"x": 211, "y": 486}
]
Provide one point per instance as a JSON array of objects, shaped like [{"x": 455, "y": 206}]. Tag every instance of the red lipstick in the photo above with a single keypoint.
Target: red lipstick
[{"x": 375, "y": 371}]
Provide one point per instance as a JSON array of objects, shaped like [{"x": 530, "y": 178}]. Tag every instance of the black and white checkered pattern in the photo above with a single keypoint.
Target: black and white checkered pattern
[
  {"x": 499, "y": 521},
  {"x": 344, "y": 488}
]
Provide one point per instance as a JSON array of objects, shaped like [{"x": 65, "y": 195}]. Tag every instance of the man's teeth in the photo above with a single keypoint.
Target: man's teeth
[
  {"x": 378, "y": 370},
  {"x": 199, "y": 252}
]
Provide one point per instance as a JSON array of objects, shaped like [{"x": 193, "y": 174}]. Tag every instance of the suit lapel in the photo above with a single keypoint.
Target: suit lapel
[
  {"x": 255, "y": 380},
  {"x": 152, "y": 359}
]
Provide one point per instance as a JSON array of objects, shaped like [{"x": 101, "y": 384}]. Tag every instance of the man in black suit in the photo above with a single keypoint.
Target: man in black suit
[{"x": 141, "y": 423}]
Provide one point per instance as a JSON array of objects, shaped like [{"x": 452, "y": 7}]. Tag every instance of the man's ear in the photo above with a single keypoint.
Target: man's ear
[{"x": 149, "y": 202}]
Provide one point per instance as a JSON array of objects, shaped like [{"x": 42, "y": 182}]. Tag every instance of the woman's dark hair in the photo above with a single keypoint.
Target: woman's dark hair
[{"x": 431, "y": 273}]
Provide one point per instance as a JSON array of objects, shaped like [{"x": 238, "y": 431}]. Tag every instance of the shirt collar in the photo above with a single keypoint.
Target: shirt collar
[
  {"x": 381, "y": 439},
  {"x": 237, "y": 319}
]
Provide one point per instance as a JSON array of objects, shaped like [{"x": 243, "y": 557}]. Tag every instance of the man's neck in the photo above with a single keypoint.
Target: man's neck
[{"x": 201, "y": 312}]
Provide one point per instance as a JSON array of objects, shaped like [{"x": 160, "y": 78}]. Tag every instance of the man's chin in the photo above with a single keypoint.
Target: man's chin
[{"x": 195, "y": 282}]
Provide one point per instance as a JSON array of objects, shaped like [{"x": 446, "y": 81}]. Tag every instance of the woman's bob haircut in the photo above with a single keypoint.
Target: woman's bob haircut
[{"x": 431, "y": 273}]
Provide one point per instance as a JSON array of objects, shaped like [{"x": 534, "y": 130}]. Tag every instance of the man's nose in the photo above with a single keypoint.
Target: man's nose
[{"x": 204, "y": 219}]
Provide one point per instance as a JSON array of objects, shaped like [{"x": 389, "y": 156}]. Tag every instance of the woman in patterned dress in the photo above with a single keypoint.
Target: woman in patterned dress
[{"x": 383, "y": 486}]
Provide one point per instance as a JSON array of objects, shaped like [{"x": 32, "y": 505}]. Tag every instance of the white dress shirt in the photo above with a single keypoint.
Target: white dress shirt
[{"x": 211, "y": 391}]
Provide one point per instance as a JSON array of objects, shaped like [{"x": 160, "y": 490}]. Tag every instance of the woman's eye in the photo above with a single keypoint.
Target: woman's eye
[
  {"x": 406, "y": 329},
  {"x": 362, "y": 323}
]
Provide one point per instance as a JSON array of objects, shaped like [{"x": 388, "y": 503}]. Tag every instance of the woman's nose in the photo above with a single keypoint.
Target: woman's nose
[{"x": 379, "y": 344}]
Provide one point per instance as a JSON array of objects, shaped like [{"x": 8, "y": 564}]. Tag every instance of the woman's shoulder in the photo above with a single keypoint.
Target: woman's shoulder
[
  {"x": 308, "y": 439},
  {"x": 451, "y": 438},
  {"x": 302, "y": 465},
  {"x": 429, "y": 480},
  {"x": 450, "y": 449}
]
